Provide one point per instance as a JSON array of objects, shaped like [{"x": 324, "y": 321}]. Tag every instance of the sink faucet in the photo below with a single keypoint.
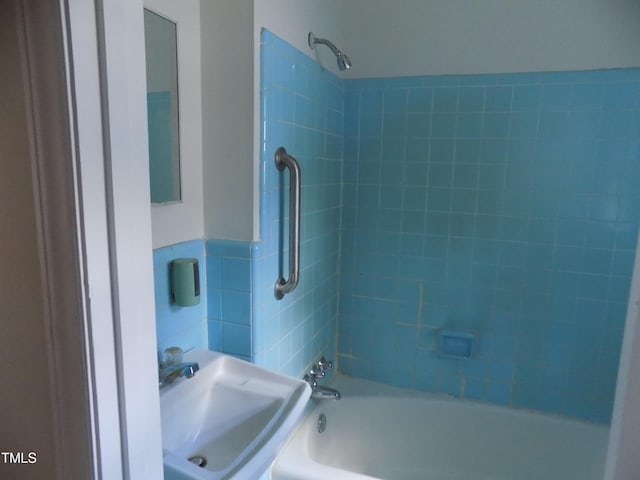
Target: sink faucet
[{"x": 169, "y": 373}]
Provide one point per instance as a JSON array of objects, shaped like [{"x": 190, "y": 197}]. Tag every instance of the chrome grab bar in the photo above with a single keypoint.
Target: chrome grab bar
[{"x": 282, "y": 286}]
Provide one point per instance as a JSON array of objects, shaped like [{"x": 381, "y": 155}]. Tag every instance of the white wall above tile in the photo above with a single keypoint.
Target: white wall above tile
[{"x": 433, "y": 37}]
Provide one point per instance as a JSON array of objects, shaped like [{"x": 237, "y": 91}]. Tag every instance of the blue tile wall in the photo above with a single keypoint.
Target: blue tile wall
[
  {"x": 229, "y": 294},
  {"x": 505, "y": 205},
  {"x": 184, "y": 327},
  {"x": 498, "y": 204},
  {"x": 302, "y": 110}
]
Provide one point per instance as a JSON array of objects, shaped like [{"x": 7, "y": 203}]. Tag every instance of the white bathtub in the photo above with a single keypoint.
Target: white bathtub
[{"x": 381, "y": 432}]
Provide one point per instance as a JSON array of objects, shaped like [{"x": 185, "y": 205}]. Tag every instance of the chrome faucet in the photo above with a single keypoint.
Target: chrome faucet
[
  {"x": 320, "y": 392},
  {"x": 169, "y": 373}
]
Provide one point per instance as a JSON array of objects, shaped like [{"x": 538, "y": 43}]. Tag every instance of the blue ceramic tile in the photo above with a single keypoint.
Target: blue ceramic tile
[
  {"x": 215, "y": 335},
  {"x": 526, "y": 98},
  {"x": 415, "y": 174},
  {"x": 393, "y": 149},
  {"x": 469, "y": 125},
  {"x": 418, "y": 124},
  {"x": 467, "y": 150},
  {"x": 488, "y": 202},
  {"x": 622, "y": 263},
  {"x": 620, "y": 96},
  {"x": 439, "y": 199},
  {"x": 228, "y": 248},
  {"x": 450, "y": 385},
  {"x": 236, "y": 339},
  {"x": 214, "y": 271},
  {"x": 371, "y": 125},
  {"x": 236, "y": 307},
  {"x": 414, "y": 198},
  {"x": 419, "y": 100},
  {"x": 441, "y": 150},
  {"x": 463, "y": 201},
  {"x": 318, "y": 99},
  {"x": 417, "y": 149},
  {"x": 235, "y": 274},
  {"x": 372, "y": 100},
  {"x": 465, "y": 176},
  {"x": 413, "y": 222},
  {"x": 493, "y": 151},
  {"x": 594, "y": 286},
  {"x": 445, "y": 99},
  {"x": 471, "y": 99},
  {"x": 443, "y": 125},
  {"x": 498, "y": 99},
  {"x": 395, "y": 100},
  {"x": 600, "y": 235},
  {"x": 214, "y": 303},
  {"x": 394, "y": 124},
  {"x": 597, "y": 261},
  {"x": 555, "y": 97},
  {"x": 495, "y": 125},
  {"x": 500, "y": 370},
  {"x": 440, "y": 175},
  {"x": 524, "y": 125},
  {"x": 520, "y": 238}
]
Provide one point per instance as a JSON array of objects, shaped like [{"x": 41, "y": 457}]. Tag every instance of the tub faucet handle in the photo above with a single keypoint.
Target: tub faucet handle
[
  {"x": 311, "y": 381},
  {"x": 324, "y": 364},
  {"x": 316, "y": 372}
]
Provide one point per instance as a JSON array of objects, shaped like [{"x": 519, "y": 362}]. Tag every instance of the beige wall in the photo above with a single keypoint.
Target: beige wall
[{"x": 25, "y": 404}]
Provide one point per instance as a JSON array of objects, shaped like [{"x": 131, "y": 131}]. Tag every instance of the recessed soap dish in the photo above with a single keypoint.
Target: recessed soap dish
[{"x": 456, "y": 344}]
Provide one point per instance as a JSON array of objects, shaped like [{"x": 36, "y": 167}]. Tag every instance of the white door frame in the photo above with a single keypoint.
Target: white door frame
[
  {"x": 107, "y": 68},
  {"x": 84, "y": 62}
]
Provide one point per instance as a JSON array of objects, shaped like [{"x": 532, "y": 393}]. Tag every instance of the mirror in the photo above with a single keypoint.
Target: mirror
[{"x": 161, "y": 46}]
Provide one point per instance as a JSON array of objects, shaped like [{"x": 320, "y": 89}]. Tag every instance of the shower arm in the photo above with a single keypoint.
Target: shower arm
[
  {"x": 344, "y": 63},
  {"x": 313, "y": 40}
]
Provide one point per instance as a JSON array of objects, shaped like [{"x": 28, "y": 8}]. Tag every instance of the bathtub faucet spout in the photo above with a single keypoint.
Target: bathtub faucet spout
[
  {"x": 325, "y": 393},
  {"x": 320, "y": 392}
]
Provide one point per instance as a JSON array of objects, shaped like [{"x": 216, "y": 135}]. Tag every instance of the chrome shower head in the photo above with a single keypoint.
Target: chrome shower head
[{"x": 343, "y": 61}]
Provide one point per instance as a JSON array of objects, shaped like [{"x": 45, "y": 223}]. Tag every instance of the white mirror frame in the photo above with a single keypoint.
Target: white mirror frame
[{"x": 184, "y": 220}]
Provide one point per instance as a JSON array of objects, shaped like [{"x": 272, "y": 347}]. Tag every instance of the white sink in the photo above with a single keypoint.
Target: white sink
[{"x": 233, "y": 413}]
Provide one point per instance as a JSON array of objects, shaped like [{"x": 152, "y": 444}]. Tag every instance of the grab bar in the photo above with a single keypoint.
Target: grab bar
[{"x": 282, "y": 286}]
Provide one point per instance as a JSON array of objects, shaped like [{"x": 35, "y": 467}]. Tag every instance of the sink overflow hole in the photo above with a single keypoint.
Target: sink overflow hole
[
  {"x": 199, "y": 461},
  {"x": 322, "y": 423}
]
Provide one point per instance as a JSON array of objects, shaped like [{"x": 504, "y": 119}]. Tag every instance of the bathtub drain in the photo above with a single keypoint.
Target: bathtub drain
[
  {"x": 322, "y": 423},
  {"x": 199, "y": 461}
]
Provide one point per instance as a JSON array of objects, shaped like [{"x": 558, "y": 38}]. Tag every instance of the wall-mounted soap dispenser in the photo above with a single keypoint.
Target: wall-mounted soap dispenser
[{"x": 184, "y": 280}]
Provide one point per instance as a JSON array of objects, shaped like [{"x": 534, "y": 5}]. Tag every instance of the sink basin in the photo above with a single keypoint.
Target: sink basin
[{"x": 232, "y": 413}]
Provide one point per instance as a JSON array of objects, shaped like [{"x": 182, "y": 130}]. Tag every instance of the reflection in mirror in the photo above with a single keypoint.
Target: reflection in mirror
[{"x": 162, "y": 107}]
